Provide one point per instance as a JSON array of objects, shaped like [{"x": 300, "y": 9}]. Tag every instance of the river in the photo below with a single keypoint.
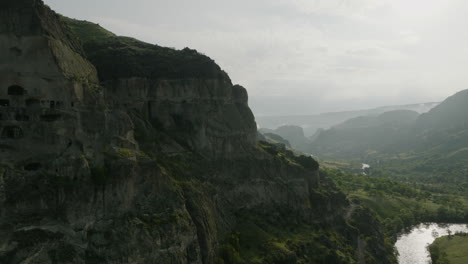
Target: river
[{"x": 412, "y": 246}]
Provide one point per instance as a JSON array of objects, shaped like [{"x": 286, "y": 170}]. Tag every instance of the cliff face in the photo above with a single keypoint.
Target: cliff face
[
  {"x": 156, "y": 164},
  {"x": 208, "y": 116},
  {"x": 46, "y": 86},
  {"x": 55, "y": 128}
]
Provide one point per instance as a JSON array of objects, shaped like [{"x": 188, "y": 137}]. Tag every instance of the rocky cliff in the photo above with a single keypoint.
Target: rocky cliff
[
  {"x": 293, "y": 134},
  {"x": 151, "y": 158}
]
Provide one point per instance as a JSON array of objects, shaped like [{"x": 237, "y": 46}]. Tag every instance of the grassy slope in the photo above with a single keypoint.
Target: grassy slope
[
  {"x": 88, "y": 31},
  {"x": 450, "y": 250},
  {"x": 258, "y": 241}
]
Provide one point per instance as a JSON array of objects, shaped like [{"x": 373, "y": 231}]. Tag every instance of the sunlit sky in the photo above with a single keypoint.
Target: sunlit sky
[{"x": 307, "y": 56}]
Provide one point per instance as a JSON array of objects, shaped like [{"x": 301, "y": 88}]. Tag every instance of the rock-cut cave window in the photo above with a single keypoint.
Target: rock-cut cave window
[
  {"x": 13, "y": 132},
  {"x": 4, "y": 102},
  {"x": 33, "y": 102},
  {"x": 16, "y": 90},
  {"x": 21, "y": 117},
  {"x": 33, "y": 166}
]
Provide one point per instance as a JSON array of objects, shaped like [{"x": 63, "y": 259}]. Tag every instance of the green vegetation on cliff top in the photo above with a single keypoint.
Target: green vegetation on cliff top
[
  {"x": 124, "y": 57},
  {"x": 87, "y": 31}
]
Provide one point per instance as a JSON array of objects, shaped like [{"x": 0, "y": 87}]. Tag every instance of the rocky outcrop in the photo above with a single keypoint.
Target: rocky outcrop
[
  {"x": 293, "y": 134},
  {"x": 156, "y": 165}
]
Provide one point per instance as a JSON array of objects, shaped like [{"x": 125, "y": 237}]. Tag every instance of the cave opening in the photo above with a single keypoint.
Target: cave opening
[
  {"x": 33, "y": 166},
  {"x": 21, "y": 117},
  {"x": 32, "y": 102},
  {"x": 16, "y": 90},
  {"x": 50, "y": 117},
  {"x": 12, "y": 132},
  {"x": 4, "y": 102}
]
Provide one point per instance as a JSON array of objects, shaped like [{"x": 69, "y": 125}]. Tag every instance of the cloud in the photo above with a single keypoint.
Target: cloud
[{"x": 317, "y": 55}]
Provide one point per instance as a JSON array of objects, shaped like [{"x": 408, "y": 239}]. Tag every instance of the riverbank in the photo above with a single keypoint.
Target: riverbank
[
  {"x": 412, "y": 245},
  {"x": 451, "y": 249},
  {"x": 399, "y": 206}
]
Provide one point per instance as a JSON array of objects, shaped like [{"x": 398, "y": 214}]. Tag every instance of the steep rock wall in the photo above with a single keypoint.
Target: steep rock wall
[{"x": 209, "y": 116}]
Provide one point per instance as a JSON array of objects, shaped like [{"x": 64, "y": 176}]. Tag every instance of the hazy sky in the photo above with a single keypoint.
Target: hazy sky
[{"x": 307, "y": 56}]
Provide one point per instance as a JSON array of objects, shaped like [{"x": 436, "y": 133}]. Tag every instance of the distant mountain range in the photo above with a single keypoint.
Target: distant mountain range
[
  {"x": 360, "y": 137},
  {"x": 431, "y": 147},
  {"x": 312, "y": 123}
]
